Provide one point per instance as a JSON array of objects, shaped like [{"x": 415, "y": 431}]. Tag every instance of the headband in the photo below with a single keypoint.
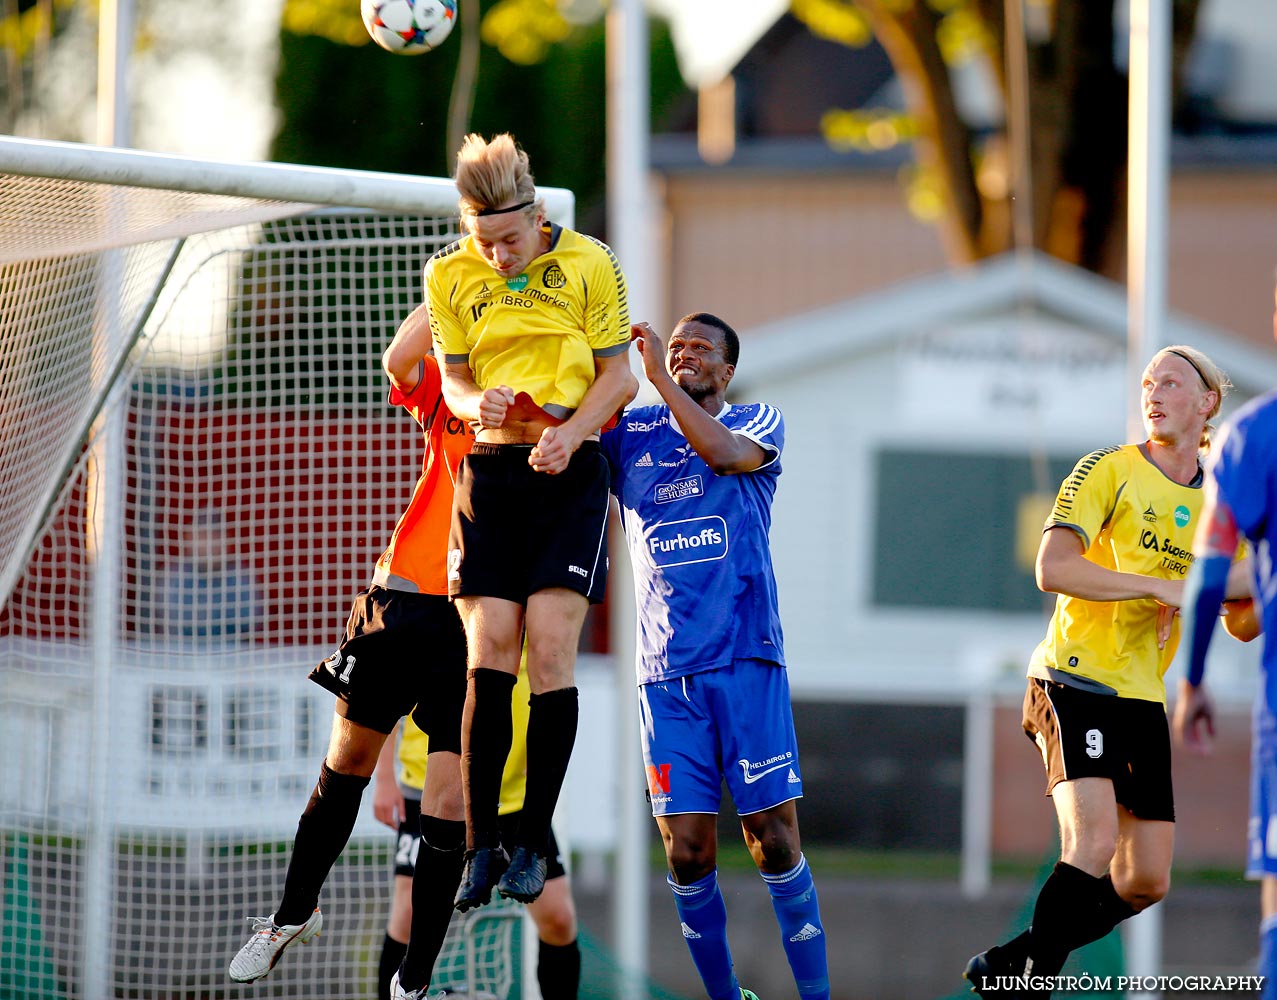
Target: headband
[
  {"x": 513, "y": 208},
  {"x": 1196, "y": 368}
]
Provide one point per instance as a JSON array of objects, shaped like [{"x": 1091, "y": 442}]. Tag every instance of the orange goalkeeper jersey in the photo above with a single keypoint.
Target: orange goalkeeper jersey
[{"x": 416, "y": 558}]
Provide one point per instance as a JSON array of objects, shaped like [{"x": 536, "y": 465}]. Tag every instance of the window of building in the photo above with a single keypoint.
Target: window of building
[{"x": 960, "y": 530}]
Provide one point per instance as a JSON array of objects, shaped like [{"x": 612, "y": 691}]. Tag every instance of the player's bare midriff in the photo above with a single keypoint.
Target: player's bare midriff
[
  {"x": 515, "y": 432},
  {"x": 519, "y": 432}
]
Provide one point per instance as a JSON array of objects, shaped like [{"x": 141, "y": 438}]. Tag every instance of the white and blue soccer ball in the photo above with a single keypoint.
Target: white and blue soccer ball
[{"x": 409, "y": 27}]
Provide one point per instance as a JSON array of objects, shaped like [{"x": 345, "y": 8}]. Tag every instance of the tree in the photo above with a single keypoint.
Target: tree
[
  {"x": 40, "y": 88},
  {"x": 1077, "y": 125}
]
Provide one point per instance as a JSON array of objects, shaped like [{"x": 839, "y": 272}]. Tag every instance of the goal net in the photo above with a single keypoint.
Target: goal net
[{"x": 199, "y": 469}]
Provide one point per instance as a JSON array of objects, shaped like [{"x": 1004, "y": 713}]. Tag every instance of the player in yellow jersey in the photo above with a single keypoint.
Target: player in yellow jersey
[
  {"x": 532, "y": 324},
  {"x": 1115, "y": 549},
  {"x": 397, "y": 803}
]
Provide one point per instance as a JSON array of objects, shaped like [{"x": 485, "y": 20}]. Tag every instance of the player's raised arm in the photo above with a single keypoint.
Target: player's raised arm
[
  {"x": 692, "y": 374},
  {"x": 401, "y": 361}
]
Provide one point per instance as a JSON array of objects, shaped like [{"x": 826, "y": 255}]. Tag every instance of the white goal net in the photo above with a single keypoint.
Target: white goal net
[{"x": 199, "y": 468}]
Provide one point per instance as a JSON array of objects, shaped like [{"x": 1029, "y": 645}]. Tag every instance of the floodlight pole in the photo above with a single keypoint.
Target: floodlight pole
[
  {"x": 1147, "y": 185},
  {"x": 115, "y": 42},
  {"x": 629, "y": 218}
]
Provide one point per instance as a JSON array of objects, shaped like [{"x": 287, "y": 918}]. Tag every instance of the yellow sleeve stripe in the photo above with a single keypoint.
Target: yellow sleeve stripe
[
  {"x": 1064, "y": 502},
  {"x": 622, "y": 293},
  {"x": 451, "y": 248}
]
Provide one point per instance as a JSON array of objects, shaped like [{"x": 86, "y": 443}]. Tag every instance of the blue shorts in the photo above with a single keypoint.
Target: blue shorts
[
  {"x": 734, "y": 723},
  {"x": 1261, "y": 830}
]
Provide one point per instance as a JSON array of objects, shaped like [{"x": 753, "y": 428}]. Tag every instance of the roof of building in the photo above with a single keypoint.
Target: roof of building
[{"x": 847, "y": 330}]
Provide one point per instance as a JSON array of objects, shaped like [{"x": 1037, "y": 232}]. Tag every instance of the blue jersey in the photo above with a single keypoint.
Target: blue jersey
[
  {"x": 1244, "y": 464},
  {"x": 698, "y": 542}
]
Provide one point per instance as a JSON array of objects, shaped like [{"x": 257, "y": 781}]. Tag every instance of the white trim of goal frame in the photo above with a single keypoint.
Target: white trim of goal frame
[{"x": 405, "y": 194}]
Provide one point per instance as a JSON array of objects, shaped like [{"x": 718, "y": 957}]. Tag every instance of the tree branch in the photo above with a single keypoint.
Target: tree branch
[{"x": 908, "y": 34}]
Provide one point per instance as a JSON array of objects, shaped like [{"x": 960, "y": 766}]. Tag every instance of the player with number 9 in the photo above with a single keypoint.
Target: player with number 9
[{"x": 1115, "y": 549}]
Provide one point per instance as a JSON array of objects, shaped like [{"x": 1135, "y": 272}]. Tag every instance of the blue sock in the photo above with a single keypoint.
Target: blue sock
[
  {"x": 1268, "y": 957},
  {"x": 704, "y": 917},
  {"x": 798, "y": 913}
]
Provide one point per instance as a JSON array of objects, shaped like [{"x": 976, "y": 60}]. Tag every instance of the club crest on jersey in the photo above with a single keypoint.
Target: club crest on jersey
[
  {"x": 554, "y": 277},
  {"x": 678, "y": 490}
]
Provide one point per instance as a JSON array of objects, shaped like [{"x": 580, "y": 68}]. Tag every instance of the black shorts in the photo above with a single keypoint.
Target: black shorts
[
  {"x": 402, "y": 653},
  {"x": 516, "y": 531},
  {"x": 410, "y": 841},
  {"x": 1082, "y": 734}
]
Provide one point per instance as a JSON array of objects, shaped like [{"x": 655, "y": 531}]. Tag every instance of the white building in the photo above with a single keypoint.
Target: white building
[{"x": 928, "y": 428}]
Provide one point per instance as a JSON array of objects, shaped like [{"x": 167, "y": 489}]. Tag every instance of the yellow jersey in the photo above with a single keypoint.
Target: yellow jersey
[
  {"x": 1131, "y": 518},
  {"x": 539, "y": 332},
  {"x": 414, "y": 745}
]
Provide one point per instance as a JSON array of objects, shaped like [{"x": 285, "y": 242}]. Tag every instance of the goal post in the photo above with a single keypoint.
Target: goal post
[
  {"x": 374, "y": 190},
  {"x": 200, "y": 469}
]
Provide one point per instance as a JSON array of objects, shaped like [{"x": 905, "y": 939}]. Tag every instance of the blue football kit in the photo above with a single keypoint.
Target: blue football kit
[
  {"x": 713, "y": 692},
  {"x": 1244, "y": 466},
  {"x": 713, "y": 688},
  {"x": 699, "y": 542}
]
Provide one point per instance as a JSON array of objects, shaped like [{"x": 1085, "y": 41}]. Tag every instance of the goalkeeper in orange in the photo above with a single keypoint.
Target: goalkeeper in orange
[{"x": 403, "y": 647}]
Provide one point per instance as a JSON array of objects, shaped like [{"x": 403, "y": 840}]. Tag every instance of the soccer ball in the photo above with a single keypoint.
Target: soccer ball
[{"x": 409, "y": 27}]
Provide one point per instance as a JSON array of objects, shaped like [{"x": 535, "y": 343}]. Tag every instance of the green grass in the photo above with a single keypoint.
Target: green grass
[
  {"x": 844, "y": 862},
  {"x": 847, "y": 862}
]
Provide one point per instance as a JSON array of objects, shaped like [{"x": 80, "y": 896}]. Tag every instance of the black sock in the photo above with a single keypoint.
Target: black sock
[
  {"x": 552, "y": 718},
  {"x": 392, "y": 953},
  {"x": 322, "y": 832},
  {"x": 486, "y": 734},
  {"x": 1113, "y": 910},
  {"x": 1015, "y": 952},
  {"x": 559, "y": 970},
  {"x": 1073, "y": 909},
  {"x": 435, "y": 878}
]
